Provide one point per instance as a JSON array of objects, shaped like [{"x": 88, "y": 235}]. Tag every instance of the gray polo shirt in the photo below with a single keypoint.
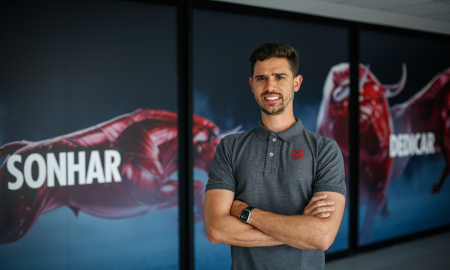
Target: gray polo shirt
[{"x": 277, "y": 172}]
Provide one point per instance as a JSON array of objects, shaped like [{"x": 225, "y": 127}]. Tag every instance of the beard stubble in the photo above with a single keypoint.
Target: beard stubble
[{"x": 279, "y": 110}]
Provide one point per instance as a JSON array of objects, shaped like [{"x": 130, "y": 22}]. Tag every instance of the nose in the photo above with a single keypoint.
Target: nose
[{"x": 270, "y": 85}]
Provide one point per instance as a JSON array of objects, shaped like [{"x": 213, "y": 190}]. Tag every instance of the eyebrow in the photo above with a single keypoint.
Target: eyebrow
[{"x": 273, "y": 74}]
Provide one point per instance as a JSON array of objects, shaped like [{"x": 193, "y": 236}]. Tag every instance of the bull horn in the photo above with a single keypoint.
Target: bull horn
[
  {"x": 395, "y": 89},
  {"x": 233, "y": 131},
  {"x": 341, "y": 93},
  {"x": 363, "y": 79}
]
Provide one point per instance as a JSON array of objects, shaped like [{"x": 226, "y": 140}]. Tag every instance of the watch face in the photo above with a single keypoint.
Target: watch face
[{"x": 245, "y": 215}]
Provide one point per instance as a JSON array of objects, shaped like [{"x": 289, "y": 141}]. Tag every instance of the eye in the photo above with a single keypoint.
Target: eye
[
  {"x": 280, "y": 78},
  {"x": 259, "y": 78}
]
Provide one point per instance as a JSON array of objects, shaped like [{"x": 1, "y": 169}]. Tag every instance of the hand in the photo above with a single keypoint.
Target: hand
[
  {"x": 237, "y": 207},
  {"x": 319, "y": 207}
]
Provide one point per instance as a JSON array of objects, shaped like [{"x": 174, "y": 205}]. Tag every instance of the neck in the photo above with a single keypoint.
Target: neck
[{"x": 278, "y": 123}]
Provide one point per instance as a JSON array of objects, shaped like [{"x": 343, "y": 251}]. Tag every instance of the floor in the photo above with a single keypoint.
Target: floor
[{"x": 426, "y": 253}]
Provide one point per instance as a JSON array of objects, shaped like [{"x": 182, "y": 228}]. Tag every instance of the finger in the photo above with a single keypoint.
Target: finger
[
  {"x": 315, "y": 202},
  {"x": 322, "y": 203},
  {"x": 316, "y": 198},
  {"x": 323, "y": 215},
  {"x": 324, "y": 209}
]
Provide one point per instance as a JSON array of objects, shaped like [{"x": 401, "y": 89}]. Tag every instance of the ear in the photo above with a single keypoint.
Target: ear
[
  {"x": 250, "y": 81},
  {"x": 297, "y": 82}
]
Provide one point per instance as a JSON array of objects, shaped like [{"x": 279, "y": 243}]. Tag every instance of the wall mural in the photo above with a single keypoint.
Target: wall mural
[
  {"x": 132, "y": 156},
  {"x": 94, "y": 184},
  {"x": 389, "y": 136},
  {"x": 106, "y": 194},
  {"x": 116, "y": 169}
]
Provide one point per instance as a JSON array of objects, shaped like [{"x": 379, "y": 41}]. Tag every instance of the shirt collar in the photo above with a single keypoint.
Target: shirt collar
[{"x": 288, "y": 135}]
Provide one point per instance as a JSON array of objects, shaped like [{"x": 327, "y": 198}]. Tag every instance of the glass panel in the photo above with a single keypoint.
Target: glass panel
[
  {"x": 403, "y": 135},
  {"x": 105, "y": 83},
  {"x": 222, "y": 45}
]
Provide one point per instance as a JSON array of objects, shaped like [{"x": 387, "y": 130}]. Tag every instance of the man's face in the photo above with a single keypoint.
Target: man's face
[{"x": 273, "y": 85}]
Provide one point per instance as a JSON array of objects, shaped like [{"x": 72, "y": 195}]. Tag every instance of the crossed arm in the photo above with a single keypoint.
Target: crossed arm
[{"x": 316, "y": 228}]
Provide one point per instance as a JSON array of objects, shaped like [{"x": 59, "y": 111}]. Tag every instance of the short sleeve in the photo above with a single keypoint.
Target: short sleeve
[
  {"x": 330, "y": 173},
  {"x": 221, "y": 173}
]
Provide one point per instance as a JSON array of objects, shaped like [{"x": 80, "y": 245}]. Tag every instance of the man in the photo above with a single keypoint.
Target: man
[{"x": 276, "y": 193}]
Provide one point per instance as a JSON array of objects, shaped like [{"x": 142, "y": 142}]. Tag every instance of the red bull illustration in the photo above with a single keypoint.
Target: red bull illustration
[{"x": 388, "y": 135}]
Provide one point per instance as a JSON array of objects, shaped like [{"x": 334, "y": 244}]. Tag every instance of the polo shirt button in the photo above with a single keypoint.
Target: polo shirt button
[
  {"x": 274, "y": 139},
  {"x": 271, "y": 154}
]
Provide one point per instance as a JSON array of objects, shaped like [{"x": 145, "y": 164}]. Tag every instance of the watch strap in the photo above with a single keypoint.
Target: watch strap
[{"x": 250, "y": 208}]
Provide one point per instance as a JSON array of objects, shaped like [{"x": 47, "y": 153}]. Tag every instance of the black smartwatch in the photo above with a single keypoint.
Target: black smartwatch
[{"x": 246, "y": 213}]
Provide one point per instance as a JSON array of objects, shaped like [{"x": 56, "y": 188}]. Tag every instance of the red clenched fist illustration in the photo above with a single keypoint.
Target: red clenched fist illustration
[
  {"x": 297, "y": 154},
  {"x": 117, "y": 169}
]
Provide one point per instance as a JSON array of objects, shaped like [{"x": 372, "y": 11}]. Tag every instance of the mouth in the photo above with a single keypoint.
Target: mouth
[{"x": 271, "y": 98}]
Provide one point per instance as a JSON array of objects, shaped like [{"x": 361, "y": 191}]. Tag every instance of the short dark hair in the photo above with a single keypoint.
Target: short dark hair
[{"x": 275, "y": 49}]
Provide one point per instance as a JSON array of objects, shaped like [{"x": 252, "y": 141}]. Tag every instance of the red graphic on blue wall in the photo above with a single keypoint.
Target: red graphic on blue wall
[
  {"x": 388, "y": 135},
  {"x": 117, "y": 169}
]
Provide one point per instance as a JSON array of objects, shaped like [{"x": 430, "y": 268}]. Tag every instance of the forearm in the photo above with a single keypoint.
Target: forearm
[
  {"x": 299, "y": 231},
  {"x": 228, "y": 230}
]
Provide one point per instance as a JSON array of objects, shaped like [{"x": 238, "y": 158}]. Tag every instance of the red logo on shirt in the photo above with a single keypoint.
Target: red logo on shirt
[{"x": 297, "y": 154}]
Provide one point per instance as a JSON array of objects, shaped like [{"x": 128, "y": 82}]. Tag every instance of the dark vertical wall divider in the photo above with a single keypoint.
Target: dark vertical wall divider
[
  {"x": 185, "y": 125},
  {"x": 354, "y": 135},
  {"x": 98, "y": 50}
]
